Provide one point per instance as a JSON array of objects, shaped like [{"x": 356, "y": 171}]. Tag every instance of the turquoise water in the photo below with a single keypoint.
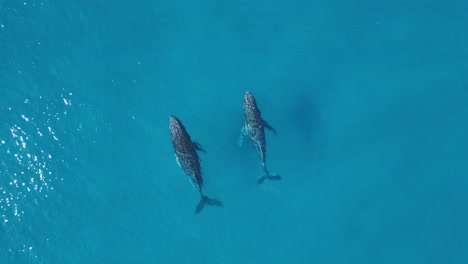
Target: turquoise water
[{"x": 369, "y": 101}]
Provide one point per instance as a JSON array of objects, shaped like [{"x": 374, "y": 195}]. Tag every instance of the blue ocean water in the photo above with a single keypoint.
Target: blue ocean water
[{"x": 369, "y": 100}]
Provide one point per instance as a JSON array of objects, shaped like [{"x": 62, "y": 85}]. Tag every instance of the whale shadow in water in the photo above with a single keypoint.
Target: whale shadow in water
[
  {"x": 301, "y": 138},
  {"x": 305, "y": 120}
]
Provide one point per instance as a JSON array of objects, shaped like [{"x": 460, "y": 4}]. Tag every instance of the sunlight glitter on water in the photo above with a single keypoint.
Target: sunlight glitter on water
[{"x": 25, "y": 168}]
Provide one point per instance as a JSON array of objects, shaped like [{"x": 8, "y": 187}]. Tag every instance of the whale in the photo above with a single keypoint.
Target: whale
[
  {"x": 254, "y": 128},
  {"x": 186, "y": 153}
]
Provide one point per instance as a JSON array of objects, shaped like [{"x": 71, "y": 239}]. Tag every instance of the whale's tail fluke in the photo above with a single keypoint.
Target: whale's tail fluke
[
  {"x": 207, "y": 200},
  {"x": 271, "y": 177}
]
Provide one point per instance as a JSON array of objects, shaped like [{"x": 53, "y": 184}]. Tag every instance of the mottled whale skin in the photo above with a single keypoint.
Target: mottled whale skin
[
  {"x": 254, "y": 128},
  {"x": 187, "y": 158}
]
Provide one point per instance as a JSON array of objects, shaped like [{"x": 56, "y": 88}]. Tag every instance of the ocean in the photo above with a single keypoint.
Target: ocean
[{"x": 369, "y": 101}]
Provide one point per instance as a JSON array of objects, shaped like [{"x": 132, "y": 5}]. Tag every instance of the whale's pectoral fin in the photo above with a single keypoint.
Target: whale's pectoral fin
[
  {"x": 198, "y": 146},
  {"x": 241, "y": 137},
  {"x": 267, "y": 126}
]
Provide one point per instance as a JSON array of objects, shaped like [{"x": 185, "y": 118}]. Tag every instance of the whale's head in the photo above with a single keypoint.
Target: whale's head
[
  {"x": 249, "y": 100},
  {"x": 174, "y": 121},
  {"x": 175, "y": 126}
]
